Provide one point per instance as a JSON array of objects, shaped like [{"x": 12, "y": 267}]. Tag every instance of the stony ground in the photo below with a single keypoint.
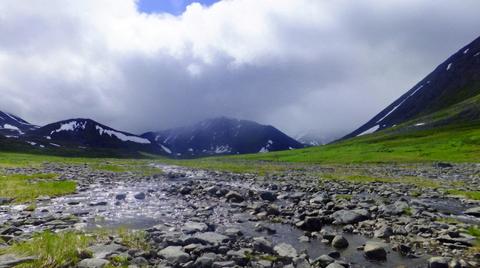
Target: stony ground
[{"x": 195, "y": 218}]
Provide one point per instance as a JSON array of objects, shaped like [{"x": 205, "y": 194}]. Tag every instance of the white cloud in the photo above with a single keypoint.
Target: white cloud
[{"x": 297, "y": 64}]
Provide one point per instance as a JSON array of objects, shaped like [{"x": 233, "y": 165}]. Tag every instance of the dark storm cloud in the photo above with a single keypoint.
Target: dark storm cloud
[{"x": 301, "y": 65}]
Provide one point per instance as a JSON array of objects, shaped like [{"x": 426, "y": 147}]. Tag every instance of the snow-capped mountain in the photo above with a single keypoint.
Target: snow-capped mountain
[
  {"x": 222, "y": 136},
  {"x": 86, "y": 133},
  {"x": 450, "y": 94},
  {"x": 13, "y": 126}
]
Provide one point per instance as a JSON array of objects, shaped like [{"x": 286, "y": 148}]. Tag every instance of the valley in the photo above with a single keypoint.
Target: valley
[{"x": 172, "y": 213}]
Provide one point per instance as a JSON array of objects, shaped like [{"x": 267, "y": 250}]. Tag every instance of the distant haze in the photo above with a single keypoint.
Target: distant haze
[{"x": 317, "y": 66}]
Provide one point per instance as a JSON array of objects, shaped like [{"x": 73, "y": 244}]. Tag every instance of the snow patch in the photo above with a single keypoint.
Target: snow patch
[
  {"x": 466, "y": 51},
  {"x": 222, "y": 149},
  {"x": 166, "y": 149},
  {"x": 31, "y": 143},
  {"x": 70, "y": 126},
  {"x": 449, "y": 66},
  {"x": 396, "y": 107},
  {"x": 419, "y": 124},
  {"x": 370, "y": 130},
  {"x": 8, "y": 126},
  {"x": 476, "y": 54},
  {"x": 54, "y": 144},
  {"x": 263, "y": 150},
  {"x": 121, "y": 136}
]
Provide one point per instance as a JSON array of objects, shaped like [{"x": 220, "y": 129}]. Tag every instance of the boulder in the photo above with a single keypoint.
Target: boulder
[
  {"x": 438, "y": 262},
  {"x": 174, "y": 255},
  {"x": 375, "y": 251},
  {"x": 93, "y": 263},
  {"x": 350, "y": 216},
  {"x": 339, "y": 242}
]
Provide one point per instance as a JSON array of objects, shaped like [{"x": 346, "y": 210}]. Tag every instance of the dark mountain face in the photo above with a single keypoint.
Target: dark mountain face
[
  {"x": 450, "y": 94},
  {"x": 222, "y": 136},
  {"x": 86, "y": 133},
  {"x": 11, "y": 125}
]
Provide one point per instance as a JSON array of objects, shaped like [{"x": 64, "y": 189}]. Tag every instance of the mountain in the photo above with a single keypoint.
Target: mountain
[
  {"x": 88, "y": 134},
  {"x": 220, "y": 136},
  {"x": 13, "y": 126},
  {"x": 449, "y": 95}
]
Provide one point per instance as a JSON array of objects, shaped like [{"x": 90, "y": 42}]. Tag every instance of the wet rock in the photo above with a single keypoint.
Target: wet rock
[
  {"x": 350, "y": 216},
  {"x": 324, "y": 260},
  {"x": 140, "y": 261},
  {"x": 339, "y": 242},
  {"x": 311, "y": 224},
  {"x": 93, "y": 263},
  {"x": 241, "y": 256},
  {"x": 193, "y": 227},
  {"x": 285, "y": 251},
  {"x": 99, "y": 203},
  {"x": 104, "y": 251},
  {"x": 121, "y": 196},
  {"x": 261, "y": 244},
  {"x": 473, "y": 211},
  {"x": 10, "y": 260},
  {"x": 383, "y": 232},
  {"x": 5, "y": 201},
  {"x": 268, "y": 196},
  {"x": 234, "y": 197},
  {"x": 211, "y": 238},
  {"x": 174, "y": 254},
  {"x": 140, "y": 196},
  {"x": 335, "y": 265},
  {"x": 205, "y": 261},
  {"x": 438, "y": 262},
  {"x": 222, "y": 264},
  {"x": 375, "y": 251},
  {"x": 185, "y": 190}
]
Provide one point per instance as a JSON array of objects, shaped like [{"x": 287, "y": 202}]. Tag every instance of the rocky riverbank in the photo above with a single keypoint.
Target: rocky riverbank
[{"x": 195, "y": 218}]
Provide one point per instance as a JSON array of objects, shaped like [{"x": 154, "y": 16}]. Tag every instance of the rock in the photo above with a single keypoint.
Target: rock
[
  {"x": 339, "y": 242},
  {"x": 261, "y": 244},
  {"x": 320, "y": 199},
  {"x": 93, "y": 263},
  {"x": 185, "y": 190},
  {"x": 285, "y": 251},
  {"x": 335, "y": 265},
  {"x": 311, "y": 224},
  {"x": 375, "y": 251},
  {"x": 205, "y": 261},
  {"x": 234, "y": 197},
  {"x": 438, "y": 262},
  {"x": 221, "y": 264},
  {"x": 324, "y": 260},
  {"x": 10, "y": 260},
  {"x": 140, "y": 261},
  {"x": 350, "y": 216},
  {"x": 4, "y": 201},
  {"x": 140, "y": 196},
  {"x": 174, "y": 255},
  {"x": 444, "y": 165},
  {"x": 268, "y": 196},
  {"x": 193, "y": 227},
  {"x": 211, "y": 238},
  {"x": 241, "y": 256},
  {"x": 121, "y": 196},
  {"x": 104, "y": 251},
  {"x": 473, "y": 211},
  {"x": 383, "y": 232}
]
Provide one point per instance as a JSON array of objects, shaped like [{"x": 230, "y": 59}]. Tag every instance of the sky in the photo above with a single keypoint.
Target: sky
[{"x": 304, "y": 66}]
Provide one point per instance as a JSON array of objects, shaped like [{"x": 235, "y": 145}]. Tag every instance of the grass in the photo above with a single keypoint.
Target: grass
[
  {"x": 419, "y": 182},
  {"x": 475, "y": 232},
  {"x": 52, "y": 250},
  {"x": 459, "y": 143},
  {"x": 473, "y": 195},
  {"x": 133, "y": 239},
  {"x": 26, "y": 188},
  {"x": 343, "y": 196}
]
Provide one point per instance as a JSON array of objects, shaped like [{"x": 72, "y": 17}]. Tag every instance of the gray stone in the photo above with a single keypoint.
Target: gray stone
[
  {"x": 285, "y": 250},
  {"x": 375, "y": 251},
  {"x": 261, "y": 244},
  {"x": 383, "y": 232},
  {"x": 193, "y": 227},
  {"x": 174, "y": 254},
  {"x": 335, "y": 265},
  {"x": 339, "y": 242},
  {"x": 438, "y": 262},
  {"x": 473, "y": 211},
  {"x": 221, "y": 264},
  {"x": 350, "y": 216},
  {"x": 211, "y": 238},
  {"x": 92, "y": 263},
  {"x": 205, "y": 260},
  {"x": 104, "y": 251},
  {"x": 10, "y": 260},
  {"x": 121, "y": 196},
  {"x": 234, "y": 197},
  {"x": 324, "y": 260},
  {"x": 268, "y": 196},
  {"x": 140, "y": 196}
]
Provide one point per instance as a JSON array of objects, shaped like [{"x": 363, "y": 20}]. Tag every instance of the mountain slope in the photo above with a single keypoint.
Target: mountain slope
[
  {"x": 455, "y": 81},
  {"x": 86, "y": 133},
  {"x": 11, "y": 125},
  {"x": 222, "y": 136}
]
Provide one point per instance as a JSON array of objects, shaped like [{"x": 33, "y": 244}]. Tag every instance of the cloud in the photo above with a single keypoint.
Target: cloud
[{"x": 301, "y": 65}]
